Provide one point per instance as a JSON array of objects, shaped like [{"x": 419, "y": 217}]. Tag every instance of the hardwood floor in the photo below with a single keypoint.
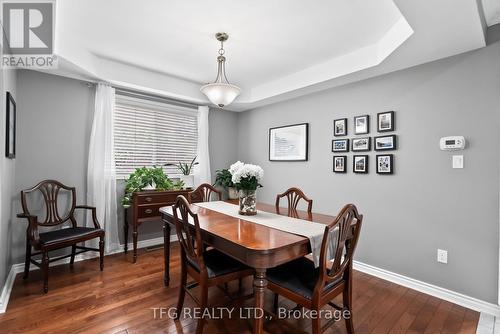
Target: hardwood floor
[{"x": 123, "y": 297}]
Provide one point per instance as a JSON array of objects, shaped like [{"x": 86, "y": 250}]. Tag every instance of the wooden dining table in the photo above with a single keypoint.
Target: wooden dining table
[{"x": 255, "y": 245}]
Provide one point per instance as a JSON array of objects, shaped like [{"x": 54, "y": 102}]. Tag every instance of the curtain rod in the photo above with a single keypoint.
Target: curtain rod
[{"x": 155, "y": 98}]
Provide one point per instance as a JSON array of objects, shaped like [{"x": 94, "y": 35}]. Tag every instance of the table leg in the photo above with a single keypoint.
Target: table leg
[
  {"x": 166, "y": 252},
  {"x": 134, "y": 236},
  {"x": 125, "y": 230},
  {"x": 259, "y": 287}
]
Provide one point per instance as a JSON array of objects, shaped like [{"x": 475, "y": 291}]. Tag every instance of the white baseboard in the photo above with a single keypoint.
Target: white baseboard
[
  {"x": 433, "y": 290},
  {"x": 19, "y": 267}
]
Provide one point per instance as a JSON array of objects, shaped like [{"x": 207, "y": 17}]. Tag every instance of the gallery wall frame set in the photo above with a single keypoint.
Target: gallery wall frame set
[{"x": 289, "y": 142}]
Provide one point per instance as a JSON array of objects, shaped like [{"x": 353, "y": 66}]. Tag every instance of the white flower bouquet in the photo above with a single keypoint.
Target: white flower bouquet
[{"x": 246, "y": 176}]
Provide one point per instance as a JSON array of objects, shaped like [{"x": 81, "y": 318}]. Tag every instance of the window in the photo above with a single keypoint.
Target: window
[{"x": 151, "y": 133}]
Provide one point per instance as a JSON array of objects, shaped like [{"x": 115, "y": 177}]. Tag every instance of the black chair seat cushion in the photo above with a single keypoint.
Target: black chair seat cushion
[
  {"x": 67, "y": 234},
  {"x": 218, "y": 263},
  {"x": 299, "y": 276}
]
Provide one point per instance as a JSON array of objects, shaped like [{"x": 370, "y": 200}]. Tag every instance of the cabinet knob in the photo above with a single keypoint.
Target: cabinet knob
[
  {"x": 148, "y": 199},
  {"x": 149, "y": 211}
]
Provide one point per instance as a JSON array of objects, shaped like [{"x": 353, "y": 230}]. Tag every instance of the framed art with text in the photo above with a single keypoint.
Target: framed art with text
[
  {"x": 10, "y": 129},
  {"x": 385, "y": 163},
  {"x": 289, "y": 143}
]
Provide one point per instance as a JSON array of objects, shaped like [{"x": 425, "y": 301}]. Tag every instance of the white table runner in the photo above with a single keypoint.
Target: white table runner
[{"x": 313, "y": 231}]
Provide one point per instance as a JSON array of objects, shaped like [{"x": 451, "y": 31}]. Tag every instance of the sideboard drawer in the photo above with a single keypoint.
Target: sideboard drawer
[
  {"x": 146, "y": 211},
  {"x": 157, "y": 198}
]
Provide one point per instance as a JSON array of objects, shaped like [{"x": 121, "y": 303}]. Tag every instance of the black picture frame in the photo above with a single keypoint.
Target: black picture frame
[
  {"x": 337, "y": 132},
  {"x": 304, "y": 142},
  {"x": 10, "y": 127},
  {"x": 365, "y": 148},
  {"x": 356, "y": 166},
  {"x": 346, "y": 145},
  {"x": 340, "y": 168},
  {"x": 379, "y": 144},
  {"x": 362, "y": 129},
  {"x": 382, "y": 125},
  {"x": 385, "y": 166}
]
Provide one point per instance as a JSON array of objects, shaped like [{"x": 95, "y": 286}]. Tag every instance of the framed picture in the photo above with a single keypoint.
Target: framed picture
[
  {"x": 385, "y": 121},
  {"x": 385, "y": 143},
  {"x": 360, "y": 164},
  {"x": 385, "y": 164},
  {"x": 339, "y": 163},
  {"x": 289, "y": 143},
  {"x": 340, "y": 145},
  {"x": 10, "y": 133},
  {"x": 361, "y": 144},
  {"x": 340, "y": 127},
  {"x": 361, "y": 125}
]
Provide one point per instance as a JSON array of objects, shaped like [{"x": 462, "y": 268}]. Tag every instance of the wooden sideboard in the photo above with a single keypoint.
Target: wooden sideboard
[{"x": 145, "y": 207}]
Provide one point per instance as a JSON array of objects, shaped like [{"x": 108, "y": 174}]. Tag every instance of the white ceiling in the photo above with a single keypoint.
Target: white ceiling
[
  {"x": 277, "y": 49},
  {"x": 491, "y": 11}
]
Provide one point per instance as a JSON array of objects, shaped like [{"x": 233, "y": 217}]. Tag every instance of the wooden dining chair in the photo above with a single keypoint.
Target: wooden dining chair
[
  {"x": 204, "y": 193},
  {"x": 44, "y": 242},
  {"x": 207, "y": 267},
  {"x": 312, "y": 287},
  {"x": 294, "y": 196}
]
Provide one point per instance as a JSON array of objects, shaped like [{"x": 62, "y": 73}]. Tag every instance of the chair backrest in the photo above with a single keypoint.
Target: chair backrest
[
  {"x": 51, "y": 190},
  {"x": 345, "y": 229},
  {"x": 204, "y": 193},
  {"x": 293, "y": 196},
  {"x": 189, "y": 235}
]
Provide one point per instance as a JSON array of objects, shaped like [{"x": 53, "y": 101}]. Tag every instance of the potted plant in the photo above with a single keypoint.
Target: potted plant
[
  {"x": 147, "y": 178},
  {"x": 246, "y": 178},
  {"x": 223, "y": 178},
  {"x": 186, "y": 169}
]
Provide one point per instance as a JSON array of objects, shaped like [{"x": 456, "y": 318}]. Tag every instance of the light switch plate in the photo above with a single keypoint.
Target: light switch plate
[
  {"x": 458, "y": 161},
  {"x": 442, "y": 256}
]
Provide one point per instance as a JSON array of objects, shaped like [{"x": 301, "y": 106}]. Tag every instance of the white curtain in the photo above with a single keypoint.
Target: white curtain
[
  {"x": 202, "y": 170},
  {"x": 101, "y": 174}
]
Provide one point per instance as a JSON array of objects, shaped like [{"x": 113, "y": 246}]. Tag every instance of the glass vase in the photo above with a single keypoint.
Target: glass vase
[{"x": 248, "y": 202}]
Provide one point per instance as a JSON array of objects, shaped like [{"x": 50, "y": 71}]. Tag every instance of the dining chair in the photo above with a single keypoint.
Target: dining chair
[
  {"x": 312, "y": 288},
  {"x": 207, "y": 267},
  {"x": 50, "y": 192},
  {"x": 204, "y": 193},
  {"x": 294, "y": 196}
]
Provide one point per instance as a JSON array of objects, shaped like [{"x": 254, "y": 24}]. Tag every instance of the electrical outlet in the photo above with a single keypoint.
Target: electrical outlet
[
  {"x": 442, "y": 256},
  {"x": 458, "y": 161}
]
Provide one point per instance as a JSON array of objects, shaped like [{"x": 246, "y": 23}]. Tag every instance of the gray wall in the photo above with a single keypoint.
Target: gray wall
[
  {"x": 7, "y": 172},
  {"x": 426, "y": 205},
  {"x": 54, "y": 123}
]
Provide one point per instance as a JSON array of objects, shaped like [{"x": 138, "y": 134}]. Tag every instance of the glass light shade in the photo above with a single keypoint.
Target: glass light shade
[{"x": 220, "y": 93}]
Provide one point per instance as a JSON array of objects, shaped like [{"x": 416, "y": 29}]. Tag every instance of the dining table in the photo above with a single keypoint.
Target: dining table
[{"x": 258, "y": 246}]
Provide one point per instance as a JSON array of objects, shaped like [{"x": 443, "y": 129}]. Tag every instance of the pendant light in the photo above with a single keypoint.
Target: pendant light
[{"x": 221, "y": 92}]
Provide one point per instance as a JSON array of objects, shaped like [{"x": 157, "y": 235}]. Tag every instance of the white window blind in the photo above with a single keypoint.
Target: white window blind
[{"x": 150, "y": 133}]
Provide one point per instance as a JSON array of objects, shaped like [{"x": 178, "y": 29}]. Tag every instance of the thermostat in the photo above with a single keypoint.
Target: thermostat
[{"x": 452, "y": 143}]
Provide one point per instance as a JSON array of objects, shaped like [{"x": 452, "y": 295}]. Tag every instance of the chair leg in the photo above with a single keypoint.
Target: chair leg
[
  {"x": 182, "y": 291},
  {"x": 45, "y": 271},
  {"x": 27, "y": 261},
  {"x": 101, "y": 253},
  {"x": 347, "y": 300},
  {"x": 72, "y": 259},
  {"x": 316, "y": 324},
  {"x": 275, "y": 303},
  {"x": 203, "y": 306}
]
